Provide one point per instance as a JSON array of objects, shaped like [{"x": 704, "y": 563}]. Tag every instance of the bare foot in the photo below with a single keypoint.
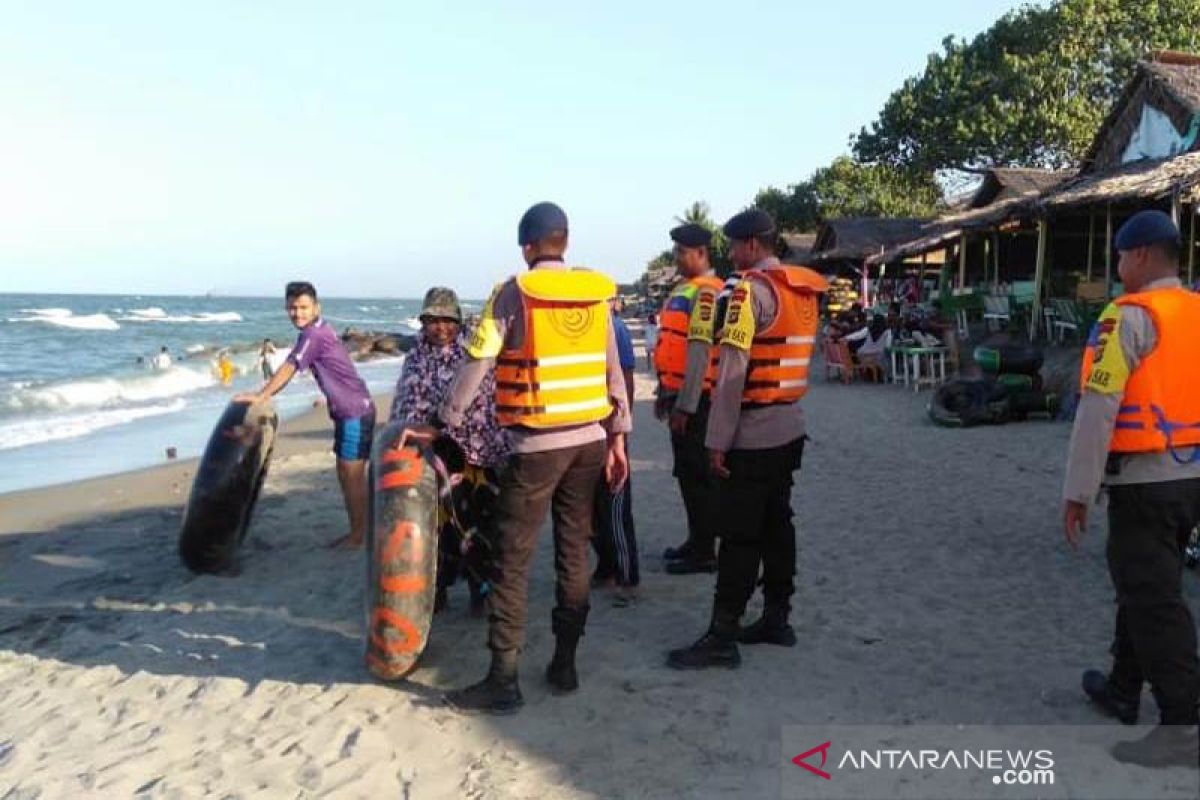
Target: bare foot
[
  {"x": 347, "y": 542},
  {"x": 625, "y": 596}
]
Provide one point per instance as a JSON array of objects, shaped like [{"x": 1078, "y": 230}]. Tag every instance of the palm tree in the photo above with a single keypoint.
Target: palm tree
[{"x": 699, "y": 213}]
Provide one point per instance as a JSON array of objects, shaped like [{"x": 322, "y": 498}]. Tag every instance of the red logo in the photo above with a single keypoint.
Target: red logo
[{"x": 801, "y": 760}]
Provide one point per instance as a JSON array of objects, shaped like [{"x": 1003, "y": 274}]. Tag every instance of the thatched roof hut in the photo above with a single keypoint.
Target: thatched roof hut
[
  {"x": 1005, "y": 183},
  {"x": 1146, "y": 154},
  {"x": 797, "y": 247},
  {"x": 853, "y": 239}
]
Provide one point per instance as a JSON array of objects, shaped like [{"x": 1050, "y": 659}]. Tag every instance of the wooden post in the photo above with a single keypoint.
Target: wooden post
[
  {"x": 962, "y": 260},
  {"x": 1091, "y": 242},
  {"x": 1192, "y": 247},
  {"x": 996, "y": 255},
  {"x": 1108, "y": 251},
  {"x": 987, "y": 252},
  {"x": 1039, "y": 276}
]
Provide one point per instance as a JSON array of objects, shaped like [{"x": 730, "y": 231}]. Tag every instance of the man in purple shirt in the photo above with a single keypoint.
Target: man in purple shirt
[{"x": 318, "y": 349}]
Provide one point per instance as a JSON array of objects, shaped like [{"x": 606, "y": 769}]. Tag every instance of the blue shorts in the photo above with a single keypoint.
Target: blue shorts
[{"x": 352, "y": 437}]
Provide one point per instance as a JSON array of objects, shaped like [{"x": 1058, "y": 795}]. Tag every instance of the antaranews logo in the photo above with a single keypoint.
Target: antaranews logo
[
  {"x": 802, "y": 760},
  {"x": 1010, "y": 767}
]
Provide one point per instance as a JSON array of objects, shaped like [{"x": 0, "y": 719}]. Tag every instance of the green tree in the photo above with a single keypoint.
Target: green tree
[
  {"x": 718, "y": 251},
  {"x": 1029, "y": 91},
  {"x": 847, "y": 188}
]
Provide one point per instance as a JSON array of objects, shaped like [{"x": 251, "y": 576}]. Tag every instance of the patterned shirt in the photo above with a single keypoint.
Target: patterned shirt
[{"x": 424, "y": 381}]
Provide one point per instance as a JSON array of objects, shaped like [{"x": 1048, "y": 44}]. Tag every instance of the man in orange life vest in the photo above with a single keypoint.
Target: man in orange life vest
[
  {"x": 1136, "y": 431},
  {"x": 755, "y": 440},
  {"x": 685, "y": 360},
  {"x": 561, "y": 394}
]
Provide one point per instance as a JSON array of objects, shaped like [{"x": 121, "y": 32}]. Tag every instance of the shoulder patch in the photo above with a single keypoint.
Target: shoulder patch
[
  {"x": 738, "y": 330},
  {"x": 486, "y": 341},
  {"x": 1109, "y": 372},
  {"x": 704, "y": 315}
]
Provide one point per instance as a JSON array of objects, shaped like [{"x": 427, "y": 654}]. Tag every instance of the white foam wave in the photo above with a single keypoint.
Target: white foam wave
[
  {"x": 47, "y": 312},
  {"x": 155, "y": 314},
  {"x": 65, "y": 318},
  {"x": 35, "y": 430},
  {"x": 413, "y": 323},
  {"x": 107, "y": 392},
  {"x": 195, "y": 348}
]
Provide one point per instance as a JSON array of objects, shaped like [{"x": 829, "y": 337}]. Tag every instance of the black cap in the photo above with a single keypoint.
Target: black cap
[
  {"x": 691, "y": 234},
  {"x": 1146, "y": 228},
  {"x": 539, "y": 222},
  {"x": 748, "y": 224}
]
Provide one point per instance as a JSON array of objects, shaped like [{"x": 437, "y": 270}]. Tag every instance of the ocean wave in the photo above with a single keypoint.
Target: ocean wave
[
  {"x": 47, "y": 312},
  {"x": 156, "y": 314},
  {"x": 65, "y": 318},
  {"x": 107, "y": 392},
  {"x": 36, "y": 430}
]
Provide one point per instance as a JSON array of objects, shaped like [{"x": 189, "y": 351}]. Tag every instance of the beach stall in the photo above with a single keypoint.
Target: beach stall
[{"x": 1036, "y": 248}]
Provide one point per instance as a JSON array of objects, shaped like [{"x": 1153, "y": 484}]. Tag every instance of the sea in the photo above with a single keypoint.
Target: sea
[{"x": 79, "y": 397}]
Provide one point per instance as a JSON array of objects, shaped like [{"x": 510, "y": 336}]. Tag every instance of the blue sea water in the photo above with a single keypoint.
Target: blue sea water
[{"x": 75, "y": 402}]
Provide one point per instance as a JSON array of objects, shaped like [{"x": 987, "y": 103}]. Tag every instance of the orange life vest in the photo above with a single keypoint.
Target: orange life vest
[
  {"x": 779, "y": 354},
  {"x": 558, "y": 376},
  {"x": 1160, "y": 406},
  {"x": 670, "y": 354}
]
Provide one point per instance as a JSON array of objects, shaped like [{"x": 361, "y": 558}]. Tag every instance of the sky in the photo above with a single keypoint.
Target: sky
[{"x": 380, "y": 148}]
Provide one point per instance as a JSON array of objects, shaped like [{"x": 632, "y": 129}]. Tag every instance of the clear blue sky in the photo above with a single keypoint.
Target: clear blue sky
[{"x": 376, "y": 148}]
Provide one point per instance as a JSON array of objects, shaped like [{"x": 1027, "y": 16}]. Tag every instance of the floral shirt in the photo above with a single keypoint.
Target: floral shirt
[{"x": 424, "y": 381}]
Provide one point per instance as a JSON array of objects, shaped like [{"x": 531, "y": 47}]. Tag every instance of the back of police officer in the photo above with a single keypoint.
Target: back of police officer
[
  {"x": 1136, "y": 431},
  {"x": 755, "y": 440},
  {"x": 685, "y": 359},
  {"x": 561, "y": 394}
]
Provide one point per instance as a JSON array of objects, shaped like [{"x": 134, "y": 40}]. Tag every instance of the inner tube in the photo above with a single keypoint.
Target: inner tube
[
  {"x": 966, "y": 403},
  {"x": 1016, "y": 359},
  {"x": 1024, "y": 404},
  {"x": 402, "y": 553},
  {"x": 227, "y": 485},
  {"x": 1021, "y": 383}
]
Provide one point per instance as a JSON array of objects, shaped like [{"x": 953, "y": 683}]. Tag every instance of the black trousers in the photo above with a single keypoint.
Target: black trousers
[
  {"x": 756, "y": 527},
  {"x": 1155, "y": 638},
  {"x": 613, "y": 537},
  {"x": 696, "y": 484},
  {"x": 562, "y": 482}
]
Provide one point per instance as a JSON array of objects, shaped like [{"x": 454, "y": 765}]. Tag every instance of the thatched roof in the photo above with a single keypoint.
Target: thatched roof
[
  {"x": 855, "y": 238},
  {"x": 1139, "y": 180},
  {"x": 799, "y": 247},
  {"x": 1166, "y": 80},
  {"x": 1005, "y": 183}
]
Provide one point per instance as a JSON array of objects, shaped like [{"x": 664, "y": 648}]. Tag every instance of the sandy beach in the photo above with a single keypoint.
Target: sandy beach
[{"x": 934, "y": 587}]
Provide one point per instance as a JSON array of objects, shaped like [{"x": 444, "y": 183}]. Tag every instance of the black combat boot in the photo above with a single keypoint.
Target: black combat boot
[
  {"x": 771, "y": 628},
  {"x": 679, "y": 551},
  {"x": 498, "y": 693},
  {"x": 1109, "y": 699},
  {"x": 692, "y": 563},
  {"x": 716, "y": 648},
  {"x": 560, "y": 674}
]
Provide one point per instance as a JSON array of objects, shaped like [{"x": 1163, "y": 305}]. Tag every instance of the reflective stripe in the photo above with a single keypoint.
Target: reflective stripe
[
  {"x": 793, "y": 362},
  {"x": 792, "y": 384},
  {"x": 583, "y": 405},
  {"x": 573, "y": 383},
  {"x": 583, "y": 358},
  {"x": 801, "y": 339}
]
